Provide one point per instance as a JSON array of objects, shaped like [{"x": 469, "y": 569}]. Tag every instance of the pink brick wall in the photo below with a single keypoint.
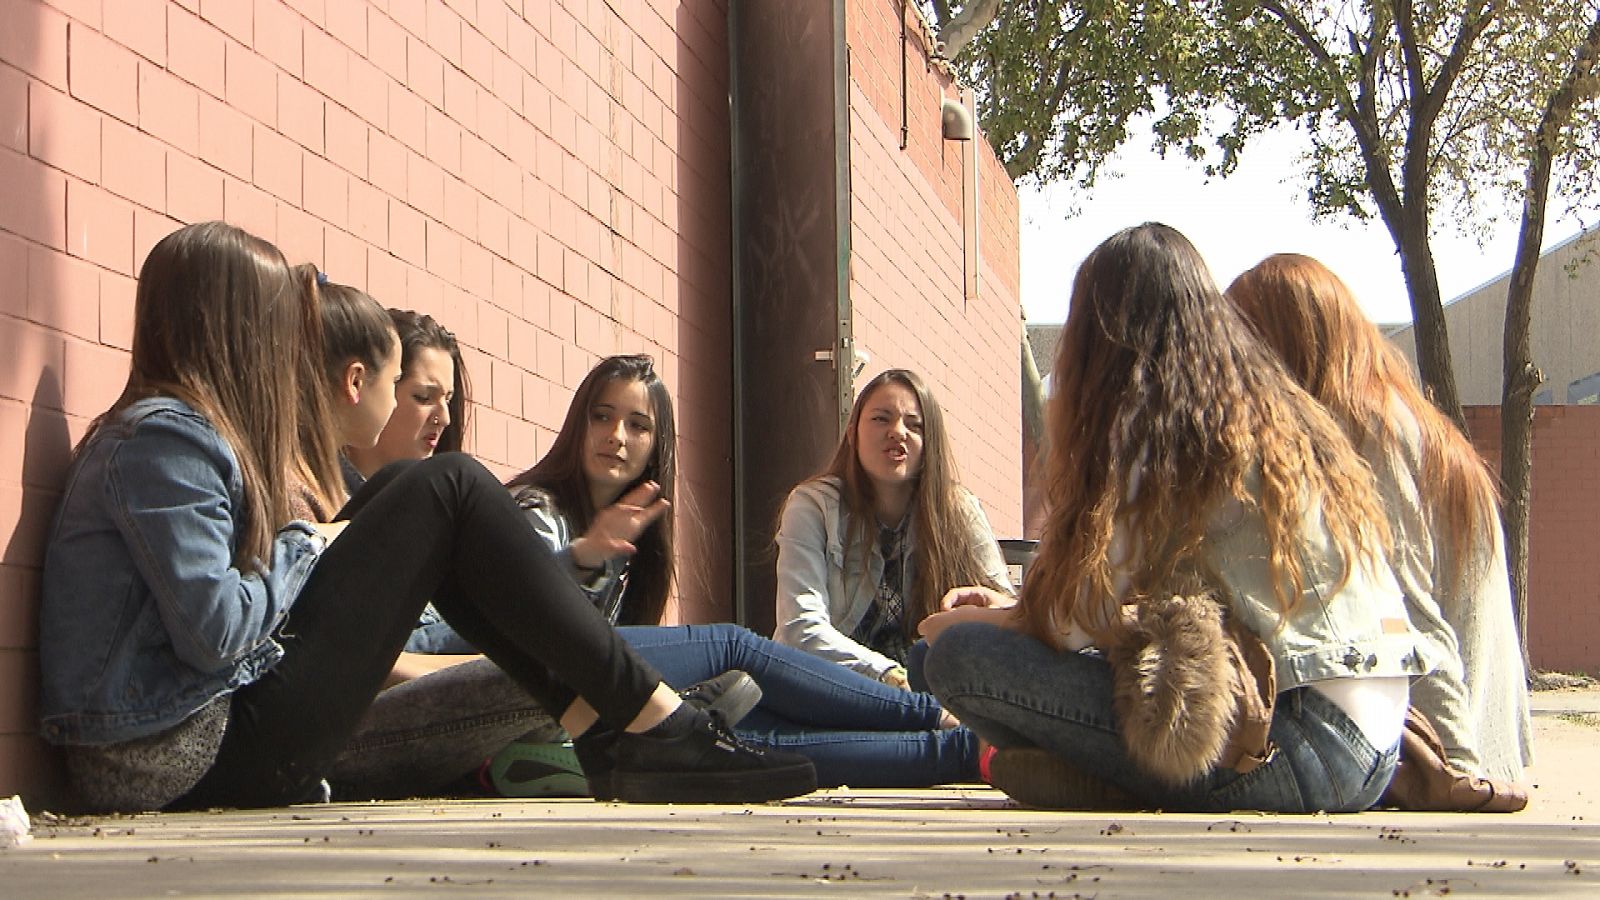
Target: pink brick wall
[
  {"x": 906, "y": 267},
  {"x": 1563, "y": 568},
  {"x": 550, "y": 179}
]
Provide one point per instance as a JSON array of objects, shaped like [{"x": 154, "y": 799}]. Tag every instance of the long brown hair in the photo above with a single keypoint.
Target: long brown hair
[
  {"x": 560, "y": 473},
  {"x": 942, "y": 553},
  {"x": 1163, "y": 405},
  {"x": 1308, "y": 315},
  {"x": 354, "y": 327},
  {"x": 220, "y": 324}
]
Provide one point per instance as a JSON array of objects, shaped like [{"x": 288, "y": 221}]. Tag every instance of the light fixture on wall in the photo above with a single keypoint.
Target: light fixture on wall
[{"x": 955, "y": 121}]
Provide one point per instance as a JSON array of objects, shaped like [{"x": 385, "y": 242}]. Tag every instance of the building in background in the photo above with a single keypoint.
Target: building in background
[
  {"x": 1565, "y": 332},
  {"x": 555, "y": 181}
]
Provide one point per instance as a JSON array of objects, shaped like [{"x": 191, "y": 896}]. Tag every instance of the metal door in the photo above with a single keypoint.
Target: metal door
[{"x": 792, "y": 384}]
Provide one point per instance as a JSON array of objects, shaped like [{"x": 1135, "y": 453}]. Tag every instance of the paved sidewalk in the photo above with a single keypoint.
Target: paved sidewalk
[{"x": 847, "y": 843}]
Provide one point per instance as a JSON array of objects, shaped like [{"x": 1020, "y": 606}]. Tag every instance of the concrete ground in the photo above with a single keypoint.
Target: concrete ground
[{"x": 937, "y": 843}]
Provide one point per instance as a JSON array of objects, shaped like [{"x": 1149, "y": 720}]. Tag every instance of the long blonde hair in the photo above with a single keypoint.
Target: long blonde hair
[
  {"x": 1163, "y": 405},
  {"x": 1309, "y": 316},
  {"x": 942, "y": 554}
]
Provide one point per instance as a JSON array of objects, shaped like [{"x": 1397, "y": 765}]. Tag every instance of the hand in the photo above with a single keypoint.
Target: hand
[
  {"x": 1004, "y": 616},
  {"x": 896, "y": 678},
  {"x": 976, "y": 595},
  {"x": 616, "y": 527}
]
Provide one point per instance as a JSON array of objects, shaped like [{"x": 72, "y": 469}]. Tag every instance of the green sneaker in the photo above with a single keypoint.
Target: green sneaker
[{"x": 537, "y": 770}]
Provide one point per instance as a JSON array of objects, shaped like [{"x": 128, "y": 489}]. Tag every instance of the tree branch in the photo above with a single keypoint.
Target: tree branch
[{"x": 956, "y": 33}]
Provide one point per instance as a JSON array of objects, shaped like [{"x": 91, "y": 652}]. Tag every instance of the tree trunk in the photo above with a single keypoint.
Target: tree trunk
[
  {"x": 1032, "y": 394},
  {"x": 1520, "y": 378},
  {"x": 1033, "y": 440},
  {"x": 1427, "y": 308}
]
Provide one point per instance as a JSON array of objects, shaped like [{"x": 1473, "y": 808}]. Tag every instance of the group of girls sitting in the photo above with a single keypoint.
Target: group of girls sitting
[
  {"x": 1270, "y": 443},
  {"x": 270, "y": 570}
]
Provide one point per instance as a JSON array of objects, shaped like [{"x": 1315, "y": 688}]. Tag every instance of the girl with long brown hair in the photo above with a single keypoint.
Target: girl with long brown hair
[
  {"x": 1180, "y": 450},
  {"x": 868, "y": 548},
  {"x": 1449, "y": 549},
  {"x": 199, "y": 647}
]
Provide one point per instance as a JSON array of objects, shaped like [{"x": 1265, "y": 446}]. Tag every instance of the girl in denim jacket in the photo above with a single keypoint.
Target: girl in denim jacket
[
  {"x": 199, "y": 647},
  {"x": 1449, "y": 549},
  {"x": 1178, "y": 444},
  {"x": 867, "y": 549}
]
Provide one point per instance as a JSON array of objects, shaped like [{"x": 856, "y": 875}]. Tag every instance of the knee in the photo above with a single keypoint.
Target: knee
[
  {"x": 463, "y": 473},
  {"x": 457, "y": 465},
  {"x": 729, "y": 633},
  {"x": 952, "y": 659}
]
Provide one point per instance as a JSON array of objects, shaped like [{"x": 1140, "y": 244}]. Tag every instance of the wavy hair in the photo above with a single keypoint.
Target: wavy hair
[
  {"x": 942, "y": 555},
  {"x": 560, "y": 473},
  {"x": 1163, "y": 406},
  {"x": 1311, "y": 319},
  {"x": 217, "y": 314}
]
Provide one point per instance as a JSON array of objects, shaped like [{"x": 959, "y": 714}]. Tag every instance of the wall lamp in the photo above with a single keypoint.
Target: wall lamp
[{"x": 955, "y": 121}]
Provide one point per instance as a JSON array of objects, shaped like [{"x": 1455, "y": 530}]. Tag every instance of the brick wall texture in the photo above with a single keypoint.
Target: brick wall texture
[
  {"x": 1563, "y": 568},
  {"x": 548, "y": 178},
  {"x": 906, "y": 267}
]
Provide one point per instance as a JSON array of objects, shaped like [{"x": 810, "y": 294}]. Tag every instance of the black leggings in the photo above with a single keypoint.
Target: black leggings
[{"x": 445, "y": 530}]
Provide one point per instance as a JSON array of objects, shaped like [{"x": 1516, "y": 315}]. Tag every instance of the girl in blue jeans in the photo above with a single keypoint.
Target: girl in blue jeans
[
  {"x": 601, "y": 500},
  {"x": 1179, "y": 445}
]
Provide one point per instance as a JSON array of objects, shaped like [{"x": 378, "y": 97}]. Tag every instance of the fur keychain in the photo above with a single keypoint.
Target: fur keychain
[{"x": 1192, "y": 690}]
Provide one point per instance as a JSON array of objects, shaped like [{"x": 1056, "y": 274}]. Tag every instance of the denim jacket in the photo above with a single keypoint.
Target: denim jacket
[
  {"x": 1354, "y": 628},
  {"x": 824, "y": 593},
  {"x": 144, "y": 618},
  {"x": 1476, "y": 696}
]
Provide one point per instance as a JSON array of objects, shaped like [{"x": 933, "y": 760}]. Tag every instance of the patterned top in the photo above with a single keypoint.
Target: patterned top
[{"x": 884, "y": 628}]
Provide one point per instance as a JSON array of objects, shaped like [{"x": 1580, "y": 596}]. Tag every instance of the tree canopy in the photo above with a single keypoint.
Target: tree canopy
[{"x": 1416, "y": 114}]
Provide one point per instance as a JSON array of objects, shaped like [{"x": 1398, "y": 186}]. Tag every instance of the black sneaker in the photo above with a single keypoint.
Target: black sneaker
[
  {"x": 594, "y": 750},
  {"x": 706, "y": 764},
  {"x": 729, "y": 697}
]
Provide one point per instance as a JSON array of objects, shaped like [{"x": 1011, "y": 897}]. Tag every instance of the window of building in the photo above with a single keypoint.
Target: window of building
[{"x": 1585, "y": 391}]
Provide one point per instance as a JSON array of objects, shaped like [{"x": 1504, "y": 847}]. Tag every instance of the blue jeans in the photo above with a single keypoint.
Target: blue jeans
[
  {"x": 1015, "y": 691},
  {"x": 854, "y": 730},
  {"x": 419, "y": 737}
]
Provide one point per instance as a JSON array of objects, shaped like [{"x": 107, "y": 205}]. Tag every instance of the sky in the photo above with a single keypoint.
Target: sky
[{"x": 1259, "y": 210}]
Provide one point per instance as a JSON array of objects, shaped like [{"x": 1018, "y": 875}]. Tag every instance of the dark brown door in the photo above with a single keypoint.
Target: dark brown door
[{"x": 791, "y": 305}]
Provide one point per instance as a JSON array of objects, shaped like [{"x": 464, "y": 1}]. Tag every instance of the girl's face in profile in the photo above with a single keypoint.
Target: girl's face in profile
[
  {"x": 422, "y": 408},
  {"x": 620, "y": 440},
  {"x": 374, "y": 401}
]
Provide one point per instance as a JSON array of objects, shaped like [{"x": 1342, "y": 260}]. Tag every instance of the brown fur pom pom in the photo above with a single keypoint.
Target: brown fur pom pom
[{"x": 1174, "y": 687}]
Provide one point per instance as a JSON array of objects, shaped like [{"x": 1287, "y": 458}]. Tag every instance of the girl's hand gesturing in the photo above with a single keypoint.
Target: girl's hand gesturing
[{"x": 615, "y": 528}]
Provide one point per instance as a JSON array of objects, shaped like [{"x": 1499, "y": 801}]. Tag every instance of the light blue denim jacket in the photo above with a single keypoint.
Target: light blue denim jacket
[
  {"x": 144, "y": 618},
  {"x": 824, "y": 589},
  {"x": 1344, "y": 626}
]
